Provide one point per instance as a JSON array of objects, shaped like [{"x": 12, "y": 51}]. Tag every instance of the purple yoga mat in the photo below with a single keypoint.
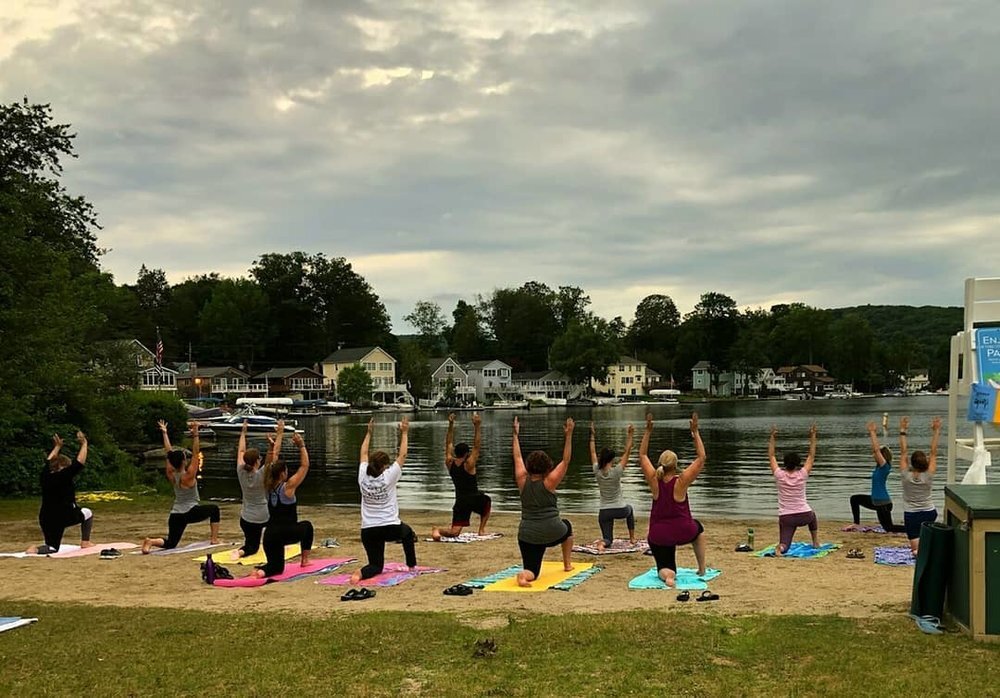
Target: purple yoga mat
[
  {"x": 894, "y": 556},
  {"x": 292, "y": 571},
  {"x": 394, "y": 573}
]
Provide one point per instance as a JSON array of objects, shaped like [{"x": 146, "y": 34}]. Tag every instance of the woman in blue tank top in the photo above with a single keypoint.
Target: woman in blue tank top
[{"x": 284, "y": 527}]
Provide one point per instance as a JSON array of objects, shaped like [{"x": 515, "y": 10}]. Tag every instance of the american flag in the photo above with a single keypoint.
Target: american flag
[{"x": 159, "y": 348}]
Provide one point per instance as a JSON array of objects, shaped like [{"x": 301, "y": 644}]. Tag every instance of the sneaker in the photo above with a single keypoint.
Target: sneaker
[{"x": 110, "y": 553}]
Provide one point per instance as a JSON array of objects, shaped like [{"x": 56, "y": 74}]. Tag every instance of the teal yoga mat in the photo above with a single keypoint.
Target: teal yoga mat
[
  {"x": 687, "y": 578},
  {"x": 933, "y": 570}
]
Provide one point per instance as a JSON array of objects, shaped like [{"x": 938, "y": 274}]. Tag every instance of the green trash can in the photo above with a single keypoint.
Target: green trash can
[
  {"x": 974, "y": 590},
  {"x": 933, "y": 570}
]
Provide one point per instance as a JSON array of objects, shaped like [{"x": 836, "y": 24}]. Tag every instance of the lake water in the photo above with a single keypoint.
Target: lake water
[{"x": 736, "y": 481}]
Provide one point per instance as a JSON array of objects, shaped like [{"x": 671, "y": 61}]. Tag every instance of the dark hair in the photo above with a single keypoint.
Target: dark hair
[
  {"x": 176, "y": 457},
  {"x": 886, "y": 454},
  {"x": 461, "y": 450},
  {"x": 918, "y": 461},
  {"x": 377, "y": 463},
  {"x": 250, "y": 458},
  {"x": 58, "y": 463},
  {"x": 606, "y": 456},
  {"x": 792, "y": 462},
  {"x": 273, "y": 471},
  {"x": 539, "y": 463}
]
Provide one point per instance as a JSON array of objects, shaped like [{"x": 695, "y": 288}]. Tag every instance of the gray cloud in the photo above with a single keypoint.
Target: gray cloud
[{"x": 832, "y": 153}]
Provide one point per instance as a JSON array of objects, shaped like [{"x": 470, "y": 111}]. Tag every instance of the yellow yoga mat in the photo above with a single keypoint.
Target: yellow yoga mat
[
  {"x": 552, "y": 573},
  {"x": 225, "y": 557}
]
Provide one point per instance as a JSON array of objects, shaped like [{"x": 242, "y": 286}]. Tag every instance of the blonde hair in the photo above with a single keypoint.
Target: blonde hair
[{"x": 666, "y": 465}]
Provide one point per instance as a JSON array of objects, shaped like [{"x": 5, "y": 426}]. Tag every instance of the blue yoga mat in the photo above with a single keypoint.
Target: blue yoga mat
[
  {"x": 800, "y": 550},
  {"x": 687, "y": 578}
]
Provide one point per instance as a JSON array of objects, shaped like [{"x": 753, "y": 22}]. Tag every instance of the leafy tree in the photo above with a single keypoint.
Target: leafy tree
[
  {"x": 234, "y": 323},
  {"x": 749, "y": 353},
  {"x": 468, "y": 341},
  {"x": 800, "y": 335},
  {"x": 429, "y": 321},
  {"x": 350, "y": 311},
  {"x": 413, "y": 369},
  {"x": 284, "y": 279},
  {"x": 355, "y": 385},
  {"x": 851, "y": 342},
  {"x": 585, "y": 350},
  {"x": 570, "y": 305},
  {"x": 524, "y": 323},
  {"x": 187, "y": 300},
  {"x": 708, "y": 332}
]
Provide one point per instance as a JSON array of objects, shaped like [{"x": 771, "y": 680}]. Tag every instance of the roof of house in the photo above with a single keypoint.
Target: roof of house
[
  {"x": 537, "y": 375},
  {"x": 630, "y": 360},
  {"x": 212, "y": 372},
  {"x": 651, "y": 373},
  {"x": 354, "y": 354},
  {"x": 436, "y": 363},
  {"x": 287, "y": 372},
  {"x": 814, "y": 368},
  {"x": 702, "y": 366},
  {"x": 483, "y": 363}
]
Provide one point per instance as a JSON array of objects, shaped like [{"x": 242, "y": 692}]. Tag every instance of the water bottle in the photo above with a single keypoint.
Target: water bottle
[
  {"x": 209, "y": 569},
  {"x": 750, "y": 538}
]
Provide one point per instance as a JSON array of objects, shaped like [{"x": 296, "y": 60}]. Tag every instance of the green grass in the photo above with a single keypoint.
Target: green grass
[{"x": 77, "y": 650}]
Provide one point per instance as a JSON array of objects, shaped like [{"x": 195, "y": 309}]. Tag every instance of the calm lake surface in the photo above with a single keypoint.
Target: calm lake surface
[{"x": 736, "y": 481}]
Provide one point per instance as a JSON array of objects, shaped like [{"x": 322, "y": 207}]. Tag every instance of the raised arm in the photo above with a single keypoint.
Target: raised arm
[
  {"x": 57, "y": 444},
  {"x": 694, "y": 470},
  {"x": 811, "y": 458},
  {"x": 404, "y": 428},
  {"x": 647, "y": 466},
  {"x": 629, "y": 434},
  {"x": 166, "y": 436},
  {"x": 593, "y": 446},
  {"x": 295, "y": 480},
  {"x": 279, "y": 433},
  {"x": 520, "y": 472},
  {"x": 363, "y": 458},
  {"x": 557, "y": 474},
  {"x": 935, "y": 437},
  {"x": 190, "y": 475},
  {"x": 241, "y": 445},
  {"x": 904, "y": 457},
  {"x": 876, "y": 447},
  {"x": 772, "y": 458},
  {"x": 449, "y": 441},
  {"x": 477, "y": 442},
  {"x": 81, "y": 457}
]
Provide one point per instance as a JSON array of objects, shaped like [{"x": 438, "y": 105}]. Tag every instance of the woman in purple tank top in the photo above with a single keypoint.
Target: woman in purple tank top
[{"x": 670, "y": 520}]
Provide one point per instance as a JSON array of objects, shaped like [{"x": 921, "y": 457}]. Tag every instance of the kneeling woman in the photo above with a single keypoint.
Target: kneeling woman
[
  {"x": 183, "y": 475},
  {"x": 670, "y": 520},
  {"x": 541, "y": 527},
  {"x": 284, "y": 527},
  {"x": 380, "y": 521},
  {"x": 609, "y": 483},
  {"x": 793, "y": 507},
  {"x": 59, "y": 510}
]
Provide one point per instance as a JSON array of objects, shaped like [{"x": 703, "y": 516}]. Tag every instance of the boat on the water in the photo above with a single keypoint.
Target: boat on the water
[{"x": 232, "y": 424}]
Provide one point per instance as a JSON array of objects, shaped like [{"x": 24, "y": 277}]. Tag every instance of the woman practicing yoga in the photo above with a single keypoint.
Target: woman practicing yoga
[
  {"x": 377, "y": 478},
  {"x": 609, "y": 483},
  {"x": 284, "y": 527},
  {"x": 670, "y": 520},
  {"x": 541, "y": 527},
  {"x": 59, "y": 510},
  {"x": 917, "y": 474},
  {"x": 253, "y": 512},
  {"x": 879, "y": 500},
  {"x": 460, "y": 462},
  {"x": 182, "y": 473},
  {"x": 793, "y": 508}
]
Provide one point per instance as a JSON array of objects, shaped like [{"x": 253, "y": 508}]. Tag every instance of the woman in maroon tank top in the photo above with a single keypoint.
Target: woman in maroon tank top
[{"x": 670, "y": 520}]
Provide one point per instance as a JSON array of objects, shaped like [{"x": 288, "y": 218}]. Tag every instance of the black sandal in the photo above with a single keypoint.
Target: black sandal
[
  {"x": 707, "y": 596},
  {"x": 684, "y": 596},
  {"x": 365, "y": 593},
  {"x": 350, "y": 595},
  {"x": 458, "y": 590}
]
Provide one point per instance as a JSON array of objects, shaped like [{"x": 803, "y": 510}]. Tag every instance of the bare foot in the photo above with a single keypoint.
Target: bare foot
[
  {"x": 147, "y": 546},
  {"x": 356, "y": 578},
  {"x": 86, "y": 544},
  {"x": 436, "y": 534},
  {"x": 215, "y": 541},
  {"x": 304, "y": 558},
  {"x": 239, "y": 553},
  {"x": 33, "y": 550},
  {"x": 599, "y": 545},
  {"x": 701, "y": 573},
  {"x": 668, "y": 577},
  {"x": 524, "y": 579},
  {"x": 568, "y": 568},
  {"x": 632, "y": 541},
  {"x": 482, "y": 532},
  {"x": 257, "y": 574}
]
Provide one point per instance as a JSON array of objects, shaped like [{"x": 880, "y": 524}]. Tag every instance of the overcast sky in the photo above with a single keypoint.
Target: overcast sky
[{"x": 835, "y": 153}]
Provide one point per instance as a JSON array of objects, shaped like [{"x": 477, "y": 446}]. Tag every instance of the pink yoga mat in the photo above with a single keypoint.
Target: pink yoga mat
[
  {"x": 394, "y": 573},
  {"x": 93, "y": 550},
  {"x": 292, "y": 571}
]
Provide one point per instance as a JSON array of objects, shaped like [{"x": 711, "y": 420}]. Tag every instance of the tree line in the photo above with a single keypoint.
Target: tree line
[{"x": 59, "y": 309}]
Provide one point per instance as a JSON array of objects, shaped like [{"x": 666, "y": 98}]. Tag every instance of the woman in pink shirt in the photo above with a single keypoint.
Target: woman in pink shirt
[{"x": 793, "y": 508}]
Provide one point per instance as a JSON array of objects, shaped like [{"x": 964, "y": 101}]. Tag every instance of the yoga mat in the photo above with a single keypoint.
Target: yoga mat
[
  {"x": 14, "y": 622},
  {"x": 291, "y": 573},
  {"x": 189, "y": 548},
  {"x": 225, "y": 557},
  {"x": 687, "y": 578},
  {"x": 392, "y": 574},
  {"x": 618, "y": 545},
  {"x": 898, "y": 556},
  {"x": 552, "y": 574},
  {"x": 800, "y": 550},
  {"x": 480, "y": 582},
  {"x": 465, "y": 538},
  {"x": 866, "y": 529},
  {"x": 577, "y": 579},
  {"x": 64, "y": 548},
  {"x": 92, "y": 550},
  {"x": 933, "y": 569}
]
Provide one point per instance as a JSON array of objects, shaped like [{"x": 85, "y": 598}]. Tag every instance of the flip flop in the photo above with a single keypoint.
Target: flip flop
[
  {"x": 365, "y": 593},
  {"x": 743, "y": 548},
  {"x": 458, "y": 590},
  {"x": 855, "y": 554},
  {"x": 707, "y": 596},
  {"x": 684, "y": 596},
  {"x": 350, "y": 595}
]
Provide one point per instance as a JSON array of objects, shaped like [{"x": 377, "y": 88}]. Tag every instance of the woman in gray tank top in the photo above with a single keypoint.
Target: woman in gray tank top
[
  {"x": 541, "y": 527},
  {"x": 253, "y": 512},
  {"x": 609, "y": 483},
  {"x": 917, "y": 477}
]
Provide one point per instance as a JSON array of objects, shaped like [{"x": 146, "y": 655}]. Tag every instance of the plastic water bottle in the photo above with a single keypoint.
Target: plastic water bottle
[
  {"x": 209, "y": 569},
  {"x": 750, "y": 538}
]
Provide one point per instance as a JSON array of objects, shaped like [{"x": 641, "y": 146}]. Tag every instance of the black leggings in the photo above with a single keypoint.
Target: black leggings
[
  {"x": 251, "y": 536},
  {"x": 54, "y": 526},
  {"x": 277, "y": 536},
  {"x": 606, "y": 520},
  {"x": 666, "y": 555},
  {"x": 883, "y": 511},
  {"x": 374, "y": 540},
  {"x": 532, "y": 553},
  {"x": 178, "y": 522}
]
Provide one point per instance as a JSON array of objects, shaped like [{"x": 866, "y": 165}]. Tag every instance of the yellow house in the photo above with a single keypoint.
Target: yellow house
[
  {"x": 627, "y": 377},
  {"x": 380, "y": 366}
]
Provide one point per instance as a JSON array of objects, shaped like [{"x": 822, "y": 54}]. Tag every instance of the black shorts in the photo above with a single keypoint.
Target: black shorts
[{"x": 462, "y": 511}]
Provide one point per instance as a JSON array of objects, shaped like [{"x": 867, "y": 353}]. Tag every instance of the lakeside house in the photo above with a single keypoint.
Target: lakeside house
[
  {"x": 732, "y": 383},
  {"x": 490, "y": 378},
  {"x": 208, "y": 381},
  {"x": 379, "y": 365},
  {"x": 546, "y": 385},
  {"x": 917, "y": 380},
  {"x": 302, "y": 381},
  {"x": 626, "y": 378},
  {"x": 443, "y": 370},
  {"x": 808, "y": 378}
]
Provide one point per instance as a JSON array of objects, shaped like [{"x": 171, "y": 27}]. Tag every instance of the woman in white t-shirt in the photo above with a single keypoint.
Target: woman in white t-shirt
[{"x": 380, "y": 522}]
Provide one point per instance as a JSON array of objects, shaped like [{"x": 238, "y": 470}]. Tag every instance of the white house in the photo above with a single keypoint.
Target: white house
[
  {"x": 444, "y": 370},
  {"x": 546, "y": 385},
  {"x": 490, "y": 378},
  {"x": 379, "y": 365},
  {"x": 917, "y": 380},
  {"x": 701, "y": 376}
]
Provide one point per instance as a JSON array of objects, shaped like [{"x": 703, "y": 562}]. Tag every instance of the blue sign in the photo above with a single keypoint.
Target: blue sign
[
  {"x": 982, "y": 403},
  {"x": 988, "y": 355}
]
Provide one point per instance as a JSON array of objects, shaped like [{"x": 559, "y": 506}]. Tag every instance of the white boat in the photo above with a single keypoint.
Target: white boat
[
  {"x": 256, "y": 424},
  {"x": 509, "y": 405}
]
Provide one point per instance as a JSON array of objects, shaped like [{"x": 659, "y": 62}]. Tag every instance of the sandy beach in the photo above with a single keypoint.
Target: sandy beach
[{"x": 830, "y": 585}]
